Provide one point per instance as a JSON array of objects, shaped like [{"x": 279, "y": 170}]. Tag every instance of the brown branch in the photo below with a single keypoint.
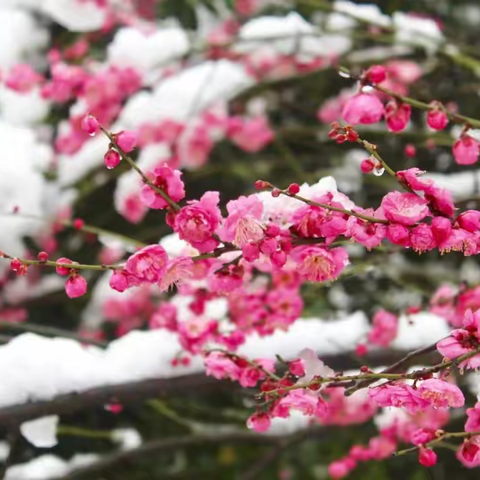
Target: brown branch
[
  {"x": 139, "y": 391},
  {"x": 131, "y": 392},
  {"x": 395, "y": 367},
  {"x": 172, "y": 443}
]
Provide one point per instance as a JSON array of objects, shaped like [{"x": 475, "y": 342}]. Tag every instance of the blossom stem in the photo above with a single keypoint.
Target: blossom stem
[
  {"x": 84, "y": 432},
  {"x": 454, "y": 117},
  {"x": 173, "y": 205},
  {"x": 372, "y": 150},
  {"x": 437, "y": 441},
  {"x": 416, "y": 375},
  {"x": 72, "y": 266},
  {"x": 367, "y": 218}
]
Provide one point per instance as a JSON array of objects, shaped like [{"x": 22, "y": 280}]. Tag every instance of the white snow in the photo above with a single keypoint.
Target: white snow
[
  {"x": 49, "y": 466},
  {"x": 127, "y": 438},
  {"x": 74, "y": 15},
  {"x": 287, "y": 36},
  {"x": 366, "y": 12},
  {"x": 21, "y": 36},
  {"x": 22, "y": 108},
  {"x": 21, "y": 184},
  {"x": 411, "y": 30},
  {"x": 41, "y": 432},
  {"x": 461, "y": 184},
  {"x": 72, "y": 168},
  {"x": 132, "y": 48},
  {"x": 55, "y": 366},
  {"x": 419, "y": 330},
  {"x": 183, "y": 96}
]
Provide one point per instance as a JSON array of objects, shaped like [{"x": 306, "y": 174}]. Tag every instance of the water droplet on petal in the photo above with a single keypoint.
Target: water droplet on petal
[
  {"x": 378, "y": 171},
  {"x": 367, "y": 89}
]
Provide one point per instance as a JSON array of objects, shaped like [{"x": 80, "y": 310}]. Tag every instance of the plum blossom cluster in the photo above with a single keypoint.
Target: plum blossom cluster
[
  {"x": 382, "y": 96},
  {"x": 258, "y": 252}
]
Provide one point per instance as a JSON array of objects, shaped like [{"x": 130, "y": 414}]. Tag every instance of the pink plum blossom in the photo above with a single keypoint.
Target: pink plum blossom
[
  {"x": 242, "y": 224},
  {"x": 469, "y": 452},
  {"x": 76, "y": 286},
  {"x": 197, "y": 222},
  {"x": 148, "y": 264},
  {"x": 473, "y": 420},
  {"x": 363, "y": 108},
  {"x": 466, "y": 150},
  {"x": 397, "y": 115},
  {"x": 251, "y": 135},
  {"x": 404, "y": 208},
  {"x": 422, "y": 238},
  {"x": 259, "y": 422},
  {"x": 427, "y": 457},
  {"x": 178, "y": 271},
  {"x": 319, "y": 264},
  {"x": 169, "y": 181},
  {"x": 384, "y": 329}
]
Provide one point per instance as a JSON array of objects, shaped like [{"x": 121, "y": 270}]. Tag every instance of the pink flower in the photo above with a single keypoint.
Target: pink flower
[
  {"x": 469, "y": 453},
  {"x": 397, "y": 115},
  {"x": 341, "y": 468},
  {"x": 297, "y": 368},
  {"x": 111, "y": 159},
  {"x": 473, "y": 421},
  {"x": 367, "y": 166},
  {"x": 471, "y": 322},
  {"x": 384, "y": 330},
  {"x": 90, "y": 125},
  {"x": 243, "y": 222},
  {"x": 376, "y": 73},
  {"x": 63, "y": 270},
  {"x": 22, "y": 78},
  {"x": 440, "y": 200},
  {"x": 318, "y": 264},
  {"x": 126, "y": 140},
  {"x": 427, "y": 457},
  {"x": 363, "y": 108},
  {"x": 178, "y": 270},
  {"x": 169, "y": 181},
  {"x": 367, "y": 233},
  {"x": 437, "y": 119},
  {"x": 404, "y": 208},
  {"x": 469, "y": 220},
  {"x": 466, "y": 150},
  {"x": 398, "y": 234},
  {"x": 441, "y": 229},
  {"x": 122, "y": 280},
  {"x": 76, "y": 286},
  {"x": 227, "y": 279},
  {"x": 422, "y": 238},
  {"x": 148, "y": 264},
  {"x": 460, "y": 342},
  {"x": 413, "y": 179},
  {"x": 221, "y": 366},
  {"x": 422, "y": 436},
  {"x": 398, "y": 395},
  {"x": 259, "y": 422},
  {"x": 441, "y": 394},
  {"x": 251, "y": 135},
  {"x": 196, "y": 223},
  {"x": 305, "y": 401}
]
